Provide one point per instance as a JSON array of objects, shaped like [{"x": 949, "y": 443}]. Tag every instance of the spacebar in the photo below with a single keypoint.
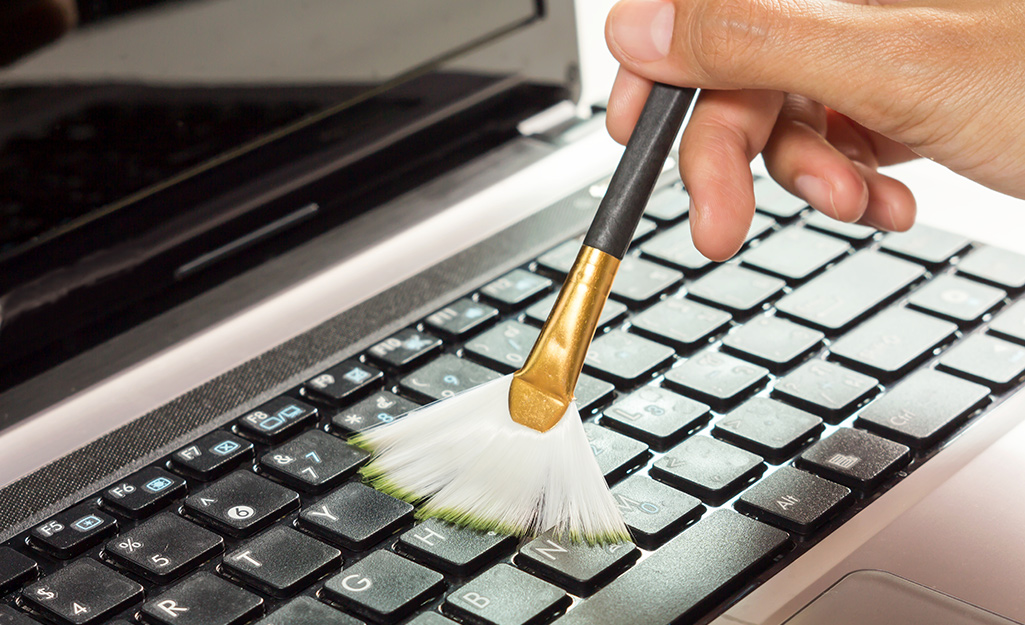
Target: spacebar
[{"x": 699, "y": 566}]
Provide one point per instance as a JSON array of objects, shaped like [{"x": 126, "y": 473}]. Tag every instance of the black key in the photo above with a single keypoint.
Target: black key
[
  {"x": 717, "y": 379},
  {"x": 795, "y": 253},
  {"x": 794, "y": 500},
  {"x": 826, "y": 389},
  {"x": 203, "y": 599},
  {"x": 431, "y": 618},
  {"x": 503, "y": 595},
  {"x": 774, "y": 200},
  {"x": 923, "y": 408},
  {"x": 675, "y": 248},
  {"x": 707, "y": 468},
  {"x": 343, "y": 382},
  {"x": 735, "y": 288},
  {"x": 85, "y": 591},
  {"x": 281, "y": 561},
  {"x": 516, "y": 289},
  {"x": 307, "y": 611},
  {"x": 313, "y": 461},
  {"x": 276, "y": 420},
  {"x": 996, "y": 266},
  {"x": 559, "y": 260},
  {"x": 503, "y": 347},
  {"x": 768, "y": 428},
  {"x": 212, "y": 455},
  {"x": 680, "y": 323},
  {"x": 924, "y": 244},
  {"x": 453, "y": 549},
  {"x": 444, "y": 377},
  {"x": 986, "y": 360},
  {"x": 405, "y": 348},
  {"x": 656, "y": 415},
  {"x": 851, "y": 290},
  {"x": 591, "y": 392},
  {"x": 707, "y": 561},
  {"x": 578, "y": 567},
  {"x": 772, "y": 342},
  {"x": 242, "y": 503},
  {"x": 356, "y": 516},
  {"x": 69, "y": 533},
  {"x": 893, "y": 342},
  {"x": 613, "y": 312},
  {"x": 1010, "y": 324},
  {"x": 653, "y": 511},
  {"x": 623, "y": 358},
  {"x": 639, "y": 282},
  {"x": 164, "y": 548},
  {"x": 855, "y": 233},
  {"x": 462, "y": 318},
  {"x": 381, "y": 407},
  {"x": 855, "y": 458},
  {"x": 668, "y": 204},
  {"x": 15, "y": 570},
  {"x": 617, "y": 455},
  {"x": 8, "y": 616},
  {"x": 383, "y": 586},
  {"x": 960, "y": 300},
  {"x": 144, "y": 493}
]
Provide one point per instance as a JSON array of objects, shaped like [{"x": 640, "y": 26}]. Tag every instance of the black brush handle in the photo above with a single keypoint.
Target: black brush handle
[{"x": 646, "y": 151}]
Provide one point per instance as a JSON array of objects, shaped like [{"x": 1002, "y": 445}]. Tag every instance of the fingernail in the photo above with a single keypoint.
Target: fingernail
[
  {"x": 643, "y": 29},
  {"x": 818, "y": 193}
]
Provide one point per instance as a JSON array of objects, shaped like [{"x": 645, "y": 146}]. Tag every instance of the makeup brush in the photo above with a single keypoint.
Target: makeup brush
[{"x": 511, "y": 455}]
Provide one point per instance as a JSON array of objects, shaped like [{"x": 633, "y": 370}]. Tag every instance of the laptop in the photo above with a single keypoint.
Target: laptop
[{"x": 236, "y": 232}]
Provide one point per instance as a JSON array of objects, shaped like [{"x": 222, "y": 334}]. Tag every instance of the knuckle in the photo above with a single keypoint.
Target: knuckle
[{"x": 725, "y": 37}]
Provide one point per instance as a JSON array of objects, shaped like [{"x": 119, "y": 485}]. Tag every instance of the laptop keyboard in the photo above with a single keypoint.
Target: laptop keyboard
[{"x": 740, "y": 412}]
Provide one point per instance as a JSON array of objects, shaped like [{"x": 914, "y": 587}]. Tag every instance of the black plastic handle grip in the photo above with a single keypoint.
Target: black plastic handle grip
[{"x": 646, "y": 151}]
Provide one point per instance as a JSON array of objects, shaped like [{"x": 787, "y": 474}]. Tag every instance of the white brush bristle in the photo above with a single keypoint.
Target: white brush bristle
[{"x": 466, "y": 461}]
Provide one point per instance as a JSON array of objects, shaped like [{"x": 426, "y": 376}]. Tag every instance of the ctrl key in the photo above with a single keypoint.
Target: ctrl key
[
  {"x": 203, "y": 599},
  {"x": 85, "y": 591}
]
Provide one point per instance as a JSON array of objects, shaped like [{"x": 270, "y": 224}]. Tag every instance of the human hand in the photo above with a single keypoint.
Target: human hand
[
  {"x": 29, "y": 24},
  {"x": 827, "y": 91}
]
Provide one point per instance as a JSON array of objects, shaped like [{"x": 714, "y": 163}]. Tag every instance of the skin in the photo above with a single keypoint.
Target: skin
[
  {"x": 828, "y": 91},
  {"x": 26, "y": 25}
]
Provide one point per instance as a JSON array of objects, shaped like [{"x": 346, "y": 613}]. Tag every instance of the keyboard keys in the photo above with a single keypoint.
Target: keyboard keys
[
  {"x": 462, "y": 318},
  {"x": 276, "y": 420},
  {"x": 668, "y": 204},
  {"x": 855, "y": 233},
  {"x": 212, "y": 456},
  {"x": 343, "y": 382},
  {"x": 144, "y": 493},
  {"x": 612, "y": 313},
  {"x": 709, "y": 559},
  {"x": 405, "y": 348},
  {"x": 760, "y": 224},
  {"x": 888, "y": 345},
  {"x": 453, "y": 549},
  {"x": 504, "y": 347},
  {"x": 853, "y": 289},
  {"x": 772, "y": 342},
  {"x": 1010, "y": 323},
  {"x": 83, "y": 592},
  {"x": 768, "y": 428},
  {"x": 717, "y": 379},
  {"x": 241, "y": 504},
  {"x": 795, "y": 253},
  {"x": 516, "y": 289},
  {"x": 203, "y": 599},
  {"x": 653, "y": 511},
  {"x": 923, "y": 408},
  {"x": 855, "y": 458},
  {"x": 383, "y": 586},
  {"x": 381, "y": 407},
  {"x": 8, "y": 616},
  {"x": 643, "y": 229},
  {"x": 69, "y": 533},
  {"x": 503, "y": 595},
  {"x": 560, "y": 259},
  {"x": 774, "y": 200},
  {"x": 655, "y": 415},
  {"x": 164, "y": 548},
  {"x": 15, "y": 570},
  {"x": 986, "y": 360},
  {"x": 924, "y": 244},
  {"x": 1002, "y": 268},
  {"x": 356, "y": 516},
  {"x": 431, "y": 618},
  {"x": 444, "y": 377},
  {"x": 826, "y": 389},
  {"x": 578, "y": 567},
  {"x": 591, "y": 392},
  {"x": 307, "y": 611},
  {"x": 639, "y": 281},
  {"x": 707, "y": 468},
  {"x": 624, "y": 358},
  {"x": 680, "y": 323},
  {"x": 794, "y": 500},
  {"x": 735, "y": 288},
  {"x": 281, "y": 561},
  {"x": 617, "y": 455},
  {"x": 313, "y": 461},
  {"x": 960, "y": 300},
  {"x": 675, "y": 248}
]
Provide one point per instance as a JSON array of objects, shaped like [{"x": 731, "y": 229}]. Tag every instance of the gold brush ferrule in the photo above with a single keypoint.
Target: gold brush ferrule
[{"x": 542, "y": 389}]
